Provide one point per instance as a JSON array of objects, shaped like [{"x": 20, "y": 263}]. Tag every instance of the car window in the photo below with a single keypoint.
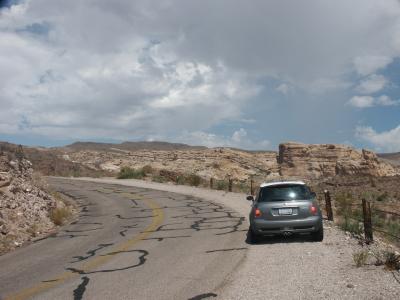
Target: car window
[{"x": 284, "y": 193}]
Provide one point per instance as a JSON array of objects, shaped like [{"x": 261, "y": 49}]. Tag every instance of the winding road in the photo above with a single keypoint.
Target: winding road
[{"x": 129, "y": 243}]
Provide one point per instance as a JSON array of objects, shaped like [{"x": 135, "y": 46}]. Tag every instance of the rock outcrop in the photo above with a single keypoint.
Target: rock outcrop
[
  {"x": 24, "y": 207},
  {"x": 294, "y": 160},
  {"x": 327, "y": 160},
  {"x": 218, "y": 163}
]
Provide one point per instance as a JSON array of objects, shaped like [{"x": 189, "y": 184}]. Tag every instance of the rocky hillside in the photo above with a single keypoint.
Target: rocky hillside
[
  {"x": 293, "y": 160},
  {"x": 24, "y": 205},
  {"x": 218, "y": 163},
  {"x": 50, "y": 162}
]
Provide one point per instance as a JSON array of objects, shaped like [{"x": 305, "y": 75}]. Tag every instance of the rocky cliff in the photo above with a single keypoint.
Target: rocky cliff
[
  {"x": 326, "y": 160},
  {"x": 24, "y": 207}
]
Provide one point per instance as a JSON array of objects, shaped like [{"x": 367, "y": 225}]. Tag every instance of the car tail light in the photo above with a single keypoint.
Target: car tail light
[
  {"x": 257, "y": 212},
  {"x": 313, "y": 210}
]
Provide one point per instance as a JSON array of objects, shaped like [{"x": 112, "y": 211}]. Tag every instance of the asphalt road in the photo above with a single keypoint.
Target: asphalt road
[{"x": 129, "y": 243}]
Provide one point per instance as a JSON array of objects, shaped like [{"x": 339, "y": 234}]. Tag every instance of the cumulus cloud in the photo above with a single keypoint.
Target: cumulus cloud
[
  {"x": 388, "y": 141},
  {"x": 283, "y": 88},
  {"x": 369, "y": 101},
  {"x": 385, "y": 100},
  {"x": 239, "y": 139},
  {"x": 366, "y": 65},
  {"x": 361, "y": 101},
  {"x": 372, "y": 84},
  {"x": 136, "y": 69}
]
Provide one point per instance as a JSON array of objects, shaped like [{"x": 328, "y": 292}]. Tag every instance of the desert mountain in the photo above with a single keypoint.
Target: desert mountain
[
  {"x": 292, "y": 160},
  {"x": 393, "y": 158},
  {"x": 130, "y": 146}
]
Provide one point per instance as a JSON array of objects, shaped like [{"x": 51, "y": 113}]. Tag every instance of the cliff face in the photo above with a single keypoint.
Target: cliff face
[
  {"x": 24, "y": 207},
  {"x": 325, "y": 160}
]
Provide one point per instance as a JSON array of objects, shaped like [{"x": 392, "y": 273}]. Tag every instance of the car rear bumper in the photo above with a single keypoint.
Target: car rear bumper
[{"x": 266, "y": 227}]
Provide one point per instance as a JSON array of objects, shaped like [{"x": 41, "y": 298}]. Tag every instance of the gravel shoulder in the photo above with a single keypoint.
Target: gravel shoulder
[{"x": 292, "y": 268}]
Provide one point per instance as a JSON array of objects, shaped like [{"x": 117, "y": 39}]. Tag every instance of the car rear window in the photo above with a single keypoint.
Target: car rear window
[{"x": 284, "y": 192}]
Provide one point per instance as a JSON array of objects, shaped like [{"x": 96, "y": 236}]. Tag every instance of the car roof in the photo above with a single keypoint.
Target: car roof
[{"x": 281, "y": 183}]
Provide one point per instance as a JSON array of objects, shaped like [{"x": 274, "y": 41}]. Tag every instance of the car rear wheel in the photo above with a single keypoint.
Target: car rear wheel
[
  {"x": 318, "y": 236},
  {"x": 252, "y": 237}
]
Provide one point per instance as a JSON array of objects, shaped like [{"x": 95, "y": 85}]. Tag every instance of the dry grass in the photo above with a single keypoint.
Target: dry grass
[
  {"x": 360, "y": 258},
  {"x": 391, "y": 260},
  {"x": 59, "y": 215}
]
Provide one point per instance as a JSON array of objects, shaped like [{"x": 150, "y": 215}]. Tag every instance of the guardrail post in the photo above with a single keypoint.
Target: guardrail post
[
  {"x": 367, "y": 221},
  {"x": 211, "y": 183},
  {"x": 230, "y": 184},
  {"x": 328, "y": 205},
  {"x": 251, "y": 186}
]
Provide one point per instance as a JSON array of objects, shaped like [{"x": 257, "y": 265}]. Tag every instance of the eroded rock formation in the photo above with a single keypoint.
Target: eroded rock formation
[{"x": 319, "y": 160}]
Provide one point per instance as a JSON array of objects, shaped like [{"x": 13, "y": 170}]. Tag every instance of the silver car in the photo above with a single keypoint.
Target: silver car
[{"x": 285, "y": 208}]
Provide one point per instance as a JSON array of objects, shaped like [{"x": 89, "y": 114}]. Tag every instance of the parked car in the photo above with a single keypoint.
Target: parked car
[{"x": 285, "y": 208}]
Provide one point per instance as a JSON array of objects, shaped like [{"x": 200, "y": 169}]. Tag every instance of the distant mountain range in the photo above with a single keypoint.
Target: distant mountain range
[
  {"x": 103, "y": 159},
  {"x": 393, "y": 158},
  {"x": 130, "y": 146}
]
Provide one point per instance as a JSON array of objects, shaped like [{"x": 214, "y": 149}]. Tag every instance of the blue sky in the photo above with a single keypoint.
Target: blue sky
[{"x": 215, "y": 73}]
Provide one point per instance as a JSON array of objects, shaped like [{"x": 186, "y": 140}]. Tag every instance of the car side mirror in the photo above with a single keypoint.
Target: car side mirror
[
  {"x": 250, "y": 198},
  {"x": 313, "y": 194}
]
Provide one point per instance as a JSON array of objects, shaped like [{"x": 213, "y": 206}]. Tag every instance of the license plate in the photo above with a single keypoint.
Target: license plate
[{"x": 285, "y": 211}]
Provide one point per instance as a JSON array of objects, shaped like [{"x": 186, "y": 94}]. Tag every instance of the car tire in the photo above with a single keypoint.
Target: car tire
[
  {"x": 318, "y": 236},
  {"x": 252, "y": 237}
]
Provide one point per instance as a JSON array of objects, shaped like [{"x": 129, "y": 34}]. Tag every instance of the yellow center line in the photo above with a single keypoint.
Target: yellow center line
[{"x": 158, "y": 217}]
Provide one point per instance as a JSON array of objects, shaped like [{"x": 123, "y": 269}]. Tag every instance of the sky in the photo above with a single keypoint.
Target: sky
[{"x": 247, "y": 74}]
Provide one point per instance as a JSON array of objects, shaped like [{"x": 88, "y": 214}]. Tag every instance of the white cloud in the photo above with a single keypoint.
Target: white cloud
[
  {"x": 129, "y": 69},
  {"x": 385, "y": 100},
  {"x": 366, "y": 65},
  {"x": 388, "y": 141},
  {"x": 372, "y": 84},
  {"x": 283, "y": 88},
  {"x": 361, "y": 101},
  {"x": 239, "y": 139},
  {"x": 369, "y": 101}
]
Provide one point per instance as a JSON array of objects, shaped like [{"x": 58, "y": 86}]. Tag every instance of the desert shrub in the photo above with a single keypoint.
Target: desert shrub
[
  {"x": 216, "y": 165},
  {"x": 393, "y": 228},
  {"x": 383, "y": 197},
  {"x": 351, "y": 226},
  {"x": 221, "y": 185},
  {"x": 33, "y": 230},
  {"x": 130, "y": 173},
  {"x": 344, "y": 203},
  {"x": 158, "y": 178},
  {"x": 193, "y": 180},
  {"x": 180, "y": 179},
  {"x": 391, "y": 260},
  {"x": 147, "y": 169},
  {"x": 169, "y": 175},
  {"x": 59, "y": 215},
  {"x": 242, "y": 187},
  {"x": 360, "y": 258},
  {"x": 76, "y": 173}
]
